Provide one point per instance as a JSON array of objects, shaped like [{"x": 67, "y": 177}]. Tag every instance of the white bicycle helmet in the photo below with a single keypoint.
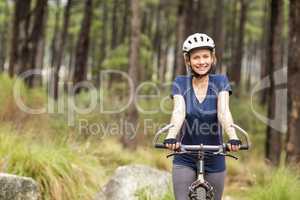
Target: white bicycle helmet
[{"x": 198, "y": 40}]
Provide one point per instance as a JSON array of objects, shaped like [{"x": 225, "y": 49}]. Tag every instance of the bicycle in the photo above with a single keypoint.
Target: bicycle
[{"x": 200, "y": 189}]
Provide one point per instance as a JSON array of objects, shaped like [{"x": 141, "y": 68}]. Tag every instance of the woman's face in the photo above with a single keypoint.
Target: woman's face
[{"x": 201, "y": 61}]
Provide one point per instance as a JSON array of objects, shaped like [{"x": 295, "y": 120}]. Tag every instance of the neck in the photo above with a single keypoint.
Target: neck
[{"x": 201, "y": 79}]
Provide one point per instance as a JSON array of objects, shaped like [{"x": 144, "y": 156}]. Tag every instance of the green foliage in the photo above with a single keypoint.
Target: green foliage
[
  {"x": 282, "y": 185},
  {"x": 61, "y": 171},
  {"x": 243, "y": 112},
  {"x": 49, "y": 151},
  {"x": 9, "y": 110},
  {"x": 254, "y": 24},
  {"x": 75, "y": 21},
  {"x": 144, "y": 194},
  {"x": 45, "y": 148},
  {"x": 168, "y": 196},
  {"x": 4, "y": 13},
  {"x": 286, "y": 9},
  {"x": 147, "y": 194},
  {"x": 146, "y": 3},
  {"x": 118, "y": 58}
]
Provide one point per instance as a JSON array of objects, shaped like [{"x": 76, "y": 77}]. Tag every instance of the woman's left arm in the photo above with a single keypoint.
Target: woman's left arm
[{"x": 224, "y": 115}]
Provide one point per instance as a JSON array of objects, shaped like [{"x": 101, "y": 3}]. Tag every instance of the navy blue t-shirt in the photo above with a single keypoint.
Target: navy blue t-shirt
[{"x": 201, "y": 125}]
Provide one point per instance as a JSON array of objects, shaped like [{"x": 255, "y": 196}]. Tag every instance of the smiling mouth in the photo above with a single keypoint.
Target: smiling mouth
[{"x": 201, "y": 68}]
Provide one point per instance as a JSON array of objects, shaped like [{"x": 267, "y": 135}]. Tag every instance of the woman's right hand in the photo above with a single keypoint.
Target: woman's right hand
[{"x": 172, "y": 144}]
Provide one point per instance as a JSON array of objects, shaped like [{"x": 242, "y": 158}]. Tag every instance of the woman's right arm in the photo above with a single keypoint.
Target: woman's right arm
[{"x": 177, "y": 119}]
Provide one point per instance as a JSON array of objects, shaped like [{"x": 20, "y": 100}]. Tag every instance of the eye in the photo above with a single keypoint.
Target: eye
[
  {"x": 196, "y": 57},
  {"x": 205, "y": 56}
]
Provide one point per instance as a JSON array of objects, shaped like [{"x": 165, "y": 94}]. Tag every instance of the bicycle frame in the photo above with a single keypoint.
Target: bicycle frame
[{"x": 200, "y": 167}]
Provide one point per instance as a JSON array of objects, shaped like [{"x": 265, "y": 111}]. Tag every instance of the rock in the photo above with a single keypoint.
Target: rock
[
  {"x": 130, "y": 180},
  {"x": 17, "y": 188}
]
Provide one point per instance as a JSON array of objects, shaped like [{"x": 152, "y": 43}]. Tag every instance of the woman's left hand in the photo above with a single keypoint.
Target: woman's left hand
[{"x": 234, "y": 144}]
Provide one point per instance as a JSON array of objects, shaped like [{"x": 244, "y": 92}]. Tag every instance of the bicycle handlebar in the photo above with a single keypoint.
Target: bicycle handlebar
[{"x": 202, "y": 147}]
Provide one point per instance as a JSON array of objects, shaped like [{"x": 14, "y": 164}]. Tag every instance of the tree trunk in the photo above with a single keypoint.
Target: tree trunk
[
  {"x": 149, "y": 30},
  {"x": 54, "y": 44},
  {"x": 3, "y": 48},
  {"x": 232, "y": 35},
  {"x": 219, "y": 34},
  {"x": 264, "y": 50},
  {"x": 19, "y": 32},
  {"x": 60, "y": 50},
  {"x": 129, "y": 138},
  {"x": 124, "y": 32},
  {"x": 4, "y": 37},
  {"x": 157, "y": 42},
  {"x": 36, "y": 38},
  {"x": 239, "y": 49},
  {"x": 103, "y": 43},
  {"x": 71, "y": 48},
  {"x": 145, "y": 22},
  {"x": 273, "y": 141},
  {"x": 189, "y": 19},
  {"x": 39, "y": 60},
  {"x": 163, "y": 62},
  {"x": 114, "y": 30},
  {"x": 179, "y": 67},
  {"x": 250, "y": 63},
  {"x": 293, "y": 134},
  {"x": 201, "y": 16},
  {"x": 82, "y": 47},
  {"x": 33, "y": 39}
]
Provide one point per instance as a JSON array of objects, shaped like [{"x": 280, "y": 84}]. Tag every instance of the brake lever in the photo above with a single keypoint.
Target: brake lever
[
  {"x": 172, "y": 154},
  {"x": 229, "y": 155},
  {"x": 178, "y": 153}
]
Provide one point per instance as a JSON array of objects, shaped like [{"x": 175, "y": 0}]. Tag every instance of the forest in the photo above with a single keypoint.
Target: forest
[{"x": 85, "y": 84}]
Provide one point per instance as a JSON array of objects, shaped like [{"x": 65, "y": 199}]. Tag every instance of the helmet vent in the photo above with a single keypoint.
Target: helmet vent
[{"x": 197, "y": 40}]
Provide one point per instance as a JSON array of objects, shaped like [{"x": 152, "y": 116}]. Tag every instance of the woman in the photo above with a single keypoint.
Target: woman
[{"x": 201, "y": 104}]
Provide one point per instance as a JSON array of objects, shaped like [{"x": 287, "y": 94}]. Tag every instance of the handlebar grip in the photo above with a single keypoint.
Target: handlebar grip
[
  {"x": 244, "y": 147},
  {"x": 160, "y": 146}
]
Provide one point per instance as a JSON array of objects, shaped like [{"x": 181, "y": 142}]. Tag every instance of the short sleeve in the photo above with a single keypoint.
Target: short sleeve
[
  {"x": 225, "y": 85},
  {"x": 178, "y": 86}
]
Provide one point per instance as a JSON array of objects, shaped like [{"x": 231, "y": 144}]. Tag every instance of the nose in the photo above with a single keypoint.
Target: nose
[{"x": 201, "y": 61}]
